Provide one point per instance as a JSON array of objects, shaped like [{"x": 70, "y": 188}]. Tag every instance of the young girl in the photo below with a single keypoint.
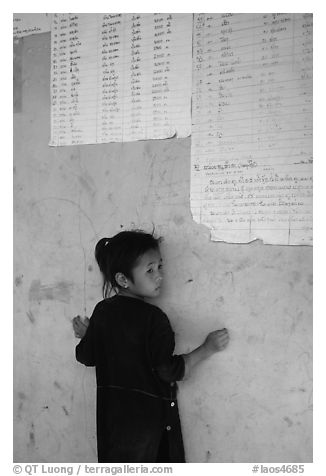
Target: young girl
[{"x": 130, "y": 342}]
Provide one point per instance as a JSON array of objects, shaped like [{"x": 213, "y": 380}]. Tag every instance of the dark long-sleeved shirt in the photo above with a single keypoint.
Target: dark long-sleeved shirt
[{"x": 131, "y": 344}]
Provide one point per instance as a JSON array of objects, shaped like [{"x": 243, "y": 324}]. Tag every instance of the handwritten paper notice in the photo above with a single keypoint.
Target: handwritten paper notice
[
  {"x": 120, "y": 77},
  {"x": 251, "y": 152},
  {"x": 25, "y": 24}
]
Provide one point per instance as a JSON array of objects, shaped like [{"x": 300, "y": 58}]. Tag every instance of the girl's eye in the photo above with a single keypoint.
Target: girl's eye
[{"x": 150, "y": 270}]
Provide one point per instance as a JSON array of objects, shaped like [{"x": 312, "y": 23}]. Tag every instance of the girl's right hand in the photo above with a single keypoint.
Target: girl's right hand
[
  {"x": 79, "y": 326},
  {"x": 217, "y": 340}
]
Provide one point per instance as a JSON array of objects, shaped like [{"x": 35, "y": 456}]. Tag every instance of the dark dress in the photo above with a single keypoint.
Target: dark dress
[{"x": 131, "y": 344}]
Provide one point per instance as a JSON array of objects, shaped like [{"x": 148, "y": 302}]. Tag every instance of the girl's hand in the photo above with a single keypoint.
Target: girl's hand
[
  {"x": 217, "y": 340},
  {"x": 80, "y": 326}
]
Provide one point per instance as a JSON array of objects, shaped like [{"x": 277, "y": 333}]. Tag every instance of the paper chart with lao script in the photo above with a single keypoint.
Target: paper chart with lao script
[
  {"x": 120, "y": 77},
  {"x": 25, "y": 24},
  {"x": 251, "y": 150}
]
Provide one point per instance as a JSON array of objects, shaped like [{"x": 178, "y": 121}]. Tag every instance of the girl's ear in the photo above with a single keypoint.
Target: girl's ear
[{"x": 121, "y": 280}]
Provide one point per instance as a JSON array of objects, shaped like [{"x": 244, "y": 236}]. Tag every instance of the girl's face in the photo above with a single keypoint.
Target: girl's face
[{"x": 147, "y": 276}]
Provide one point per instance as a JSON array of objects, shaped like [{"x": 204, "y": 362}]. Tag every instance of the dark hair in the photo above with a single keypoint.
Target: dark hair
[{"x": 120, "y": 253}]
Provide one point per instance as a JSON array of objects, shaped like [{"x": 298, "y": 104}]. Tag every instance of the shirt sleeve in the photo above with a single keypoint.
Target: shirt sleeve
[
  {"x": 85, "y": 350},
  {"x": 167, "y": 366},
  {"x": 172, "y": 370}
]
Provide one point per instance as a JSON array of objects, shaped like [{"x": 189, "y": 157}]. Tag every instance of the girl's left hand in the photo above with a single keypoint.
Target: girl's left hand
[{"x": 79, "y": 326}]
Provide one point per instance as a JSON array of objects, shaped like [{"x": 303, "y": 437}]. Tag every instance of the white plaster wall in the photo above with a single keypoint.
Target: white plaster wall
[{"x": 250, "y": 403}]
